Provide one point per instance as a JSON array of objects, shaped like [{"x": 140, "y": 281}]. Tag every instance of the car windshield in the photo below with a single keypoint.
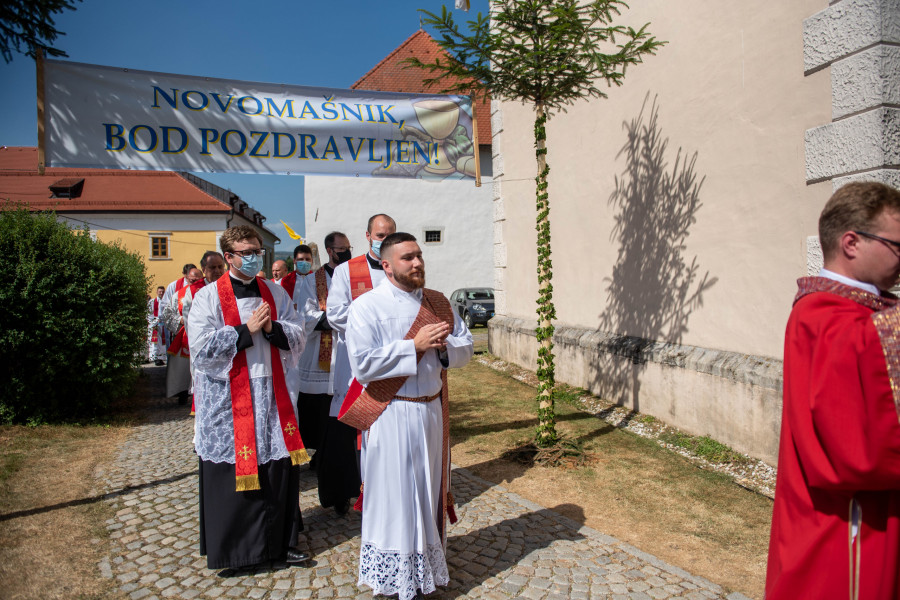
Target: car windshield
[{"x": 480, "y": 295}]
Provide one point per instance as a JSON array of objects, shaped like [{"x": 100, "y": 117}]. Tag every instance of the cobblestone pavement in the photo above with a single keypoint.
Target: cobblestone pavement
[{"x": 502, "y": 547}]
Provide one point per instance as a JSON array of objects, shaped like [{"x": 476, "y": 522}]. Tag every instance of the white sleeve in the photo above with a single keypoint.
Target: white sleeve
[
  {"x": 339, "y": 298},
  {"x": 308, "y": 303},
  {"x": 460, "y": 347},
  {"x": 213, "y": 344},
  {"x": 168, "y": 314}
]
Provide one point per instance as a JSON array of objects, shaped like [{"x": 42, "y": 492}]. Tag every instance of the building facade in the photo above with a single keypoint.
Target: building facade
[
  {"x": 169, "y": 219},
  {"x": 452, "y": 219},
  {"x": 685, "y": 205}
]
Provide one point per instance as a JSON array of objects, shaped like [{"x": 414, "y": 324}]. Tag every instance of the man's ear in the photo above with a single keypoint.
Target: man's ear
[{"x": 849, "y": 244}]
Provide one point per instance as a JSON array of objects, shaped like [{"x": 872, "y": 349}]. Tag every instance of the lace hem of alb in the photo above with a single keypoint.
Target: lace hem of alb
[{"x": 389, "y": 572}]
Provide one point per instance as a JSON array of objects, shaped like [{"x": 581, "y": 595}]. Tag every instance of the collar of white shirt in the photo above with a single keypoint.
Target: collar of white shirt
[{"x": 823, "y": 272}]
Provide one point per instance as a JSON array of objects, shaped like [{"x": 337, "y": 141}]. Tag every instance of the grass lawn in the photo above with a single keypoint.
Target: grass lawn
[{"x": 628, "y": 486}]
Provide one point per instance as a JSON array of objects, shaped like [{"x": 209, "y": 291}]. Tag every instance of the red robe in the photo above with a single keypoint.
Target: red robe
[{"x": 840, "y": 445}]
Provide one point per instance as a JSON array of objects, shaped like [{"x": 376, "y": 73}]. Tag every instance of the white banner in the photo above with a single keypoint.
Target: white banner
[{"x": 107, "y": 117}]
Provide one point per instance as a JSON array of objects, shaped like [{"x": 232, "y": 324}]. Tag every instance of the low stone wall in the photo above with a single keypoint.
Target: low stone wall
[{"x": 733, "y": 398}]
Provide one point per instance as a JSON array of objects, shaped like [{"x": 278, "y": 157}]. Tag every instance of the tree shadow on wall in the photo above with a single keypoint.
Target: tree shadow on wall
[{"x": 654, "y": 286}]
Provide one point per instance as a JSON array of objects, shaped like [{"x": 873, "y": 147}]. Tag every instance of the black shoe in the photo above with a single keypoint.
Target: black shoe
[
  {"x": 182, "y": 398},
  {"x": 159, "y": 362},
  {"x": 296, "y": 556},
  {"x": 341, "y": 508}
]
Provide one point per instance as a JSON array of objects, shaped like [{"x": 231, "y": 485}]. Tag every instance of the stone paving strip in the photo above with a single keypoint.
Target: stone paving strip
[{"x": 502, "y": 547}]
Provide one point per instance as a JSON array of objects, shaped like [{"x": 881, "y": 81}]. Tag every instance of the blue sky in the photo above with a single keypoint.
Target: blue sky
[{"x": 329, "y": 43}]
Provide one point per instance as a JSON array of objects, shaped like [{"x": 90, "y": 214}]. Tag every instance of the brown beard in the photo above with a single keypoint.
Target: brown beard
[{"x": 413, "y": 281}]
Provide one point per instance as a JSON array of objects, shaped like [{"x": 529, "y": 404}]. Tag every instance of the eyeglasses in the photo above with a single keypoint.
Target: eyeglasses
[
  {"x": 248, "y": 253},
  {"x": 879, "y": 238},
  {"x": 342, "y": 248}
]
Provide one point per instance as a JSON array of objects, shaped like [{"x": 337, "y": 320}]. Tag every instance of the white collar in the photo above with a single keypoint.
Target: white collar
[
  {"x": 416, "y": 293},
  {"x": 868, "y": 287}
]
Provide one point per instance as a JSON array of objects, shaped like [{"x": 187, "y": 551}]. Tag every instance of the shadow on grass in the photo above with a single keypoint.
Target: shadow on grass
[
  {"x": 459, "y": 430},
  {"x": 81, "y": 501}
]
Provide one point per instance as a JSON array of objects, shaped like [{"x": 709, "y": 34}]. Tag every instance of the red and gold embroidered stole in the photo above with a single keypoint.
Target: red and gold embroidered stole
[
  {"x": 360, "y": 278},
  {"x": 325, "y": 339},
  {"x": 363, "y": 405},
  {"x": 246, "y": 467}
]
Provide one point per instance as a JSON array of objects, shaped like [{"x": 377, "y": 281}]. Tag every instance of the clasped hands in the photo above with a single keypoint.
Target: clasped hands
[
  {"x": 260, "y": 319},
  {"x": 432, "y": 336}
]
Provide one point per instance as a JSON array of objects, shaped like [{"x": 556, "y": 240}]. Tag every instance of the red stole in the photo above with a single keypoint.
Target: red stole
[
  {"x": 288, "y": 282},
  {"x": 156, "y": 307},
  {"x": 246, "y": 468},
  {"x": 360, "y": 283},
  {"x": 325, "y": 339},
  {"x": 180, "y": 284},
  {"x": 180, "y": 340},
  {"x": 360, "y": 278}
]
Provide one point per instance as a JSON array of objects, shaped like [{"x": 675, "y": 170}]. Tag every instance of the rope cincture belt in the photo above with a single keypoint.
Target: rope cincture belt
[{"x": 419, "y": 399}]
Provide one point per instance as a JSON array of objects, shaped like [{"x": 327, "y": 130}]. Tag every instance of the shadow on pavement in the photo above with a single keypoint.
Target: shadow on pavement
[{"x": 475, "y": 557}]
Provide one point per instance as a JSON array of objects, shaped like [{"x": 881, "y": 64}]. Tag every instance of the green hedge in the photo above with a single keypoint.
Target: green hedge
[{"x": 72, "y": 319}]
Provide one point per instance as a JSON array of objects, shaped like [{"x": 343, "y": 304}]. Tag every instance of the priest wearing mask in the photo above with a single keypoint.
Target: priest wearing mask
[
  {"x": 401, "y": 338},
  {"x": 337, "y": 471},
  {"x": 836, "y": 516},
  {"x": 351, "y": 279},
  {"x": 245, "y": 335}
]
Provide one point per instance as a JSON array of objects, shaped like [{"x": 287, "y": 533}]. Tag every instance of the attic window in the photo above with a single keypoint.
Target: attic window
[{"x": 69, "y": 187}]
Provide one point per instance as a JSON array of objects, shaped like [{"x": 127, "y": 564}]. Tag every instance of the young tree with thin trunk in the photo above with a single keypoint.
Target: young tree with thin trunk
[{"x": 549, "y": 53}]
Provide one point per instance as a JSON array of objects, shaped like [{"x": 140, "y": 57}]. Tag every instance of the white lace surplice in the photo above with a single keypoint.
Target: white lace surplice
[
  {"x": 213, "y": 348},
  {"x": 401, "y": 547}
]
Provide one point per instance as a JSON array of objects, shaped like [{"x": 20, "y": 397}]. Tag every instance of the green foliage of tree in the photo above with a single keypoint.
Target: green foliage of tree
[
  {"x": 549, "y": 53},
  {"x": 74, "y": 319},
  {"x": 29, "y": 24}
]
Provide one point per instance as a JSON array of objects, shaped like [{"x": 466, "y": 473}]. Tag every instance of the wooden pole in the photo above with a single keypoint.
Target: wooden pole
[
  {"x": 39, "y": 64},
  {"x": 475, "y": 144}
]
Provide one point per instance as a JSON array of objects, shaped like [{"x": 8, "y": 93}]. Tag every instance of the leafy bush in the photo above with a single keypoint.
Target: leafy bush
[{"x": 72, "y": 323}]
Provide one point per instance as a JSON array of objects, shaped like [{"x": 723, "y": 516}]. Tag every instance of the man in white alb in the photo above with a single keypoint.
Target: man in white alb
[
  {"x": 337, "y": 469},
  {"x": 401, "y": 338}
]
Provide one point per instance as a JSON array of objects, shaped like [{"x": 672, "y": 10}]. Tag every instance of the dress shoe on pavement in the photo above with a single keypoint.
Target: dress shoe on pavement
[
  {"x": 296, "y": 556},
  {"x": 342, "y": 507}
]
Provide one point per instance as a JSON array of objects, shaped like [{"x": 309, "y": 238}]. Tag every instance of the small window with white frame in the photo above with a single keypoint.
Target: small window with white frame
[
  {"x": 159, "y": 246},
  {"x": 433, "y": 235}
]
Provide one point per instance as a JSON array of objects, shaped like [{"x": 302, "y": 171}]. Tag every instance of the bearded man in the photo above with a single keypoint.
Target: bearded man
[{"x": 401, "y": 338}]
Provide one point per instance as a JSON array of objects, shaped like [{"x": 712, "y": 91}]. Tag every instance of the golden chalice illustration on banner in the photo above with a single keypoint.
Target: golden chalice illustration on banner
[{"x": 439, "y": 119}]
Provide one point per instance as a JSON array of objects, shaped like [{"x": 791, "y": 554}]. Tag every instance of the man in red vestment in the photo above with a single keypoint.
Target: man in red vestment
[{"x": 836, "y": 518}]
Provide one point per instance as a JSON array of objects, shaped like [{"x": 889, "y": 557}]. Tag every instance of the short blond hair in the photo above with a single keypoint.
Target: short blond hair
[
  {"x": 854, "y": 207},
  {"x": 235, "y": 234}
]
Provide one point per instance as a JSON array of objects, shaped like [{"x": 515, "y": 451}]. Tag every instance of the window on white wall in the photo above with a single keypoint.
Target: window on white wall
[{"x": 434, "y": 235}]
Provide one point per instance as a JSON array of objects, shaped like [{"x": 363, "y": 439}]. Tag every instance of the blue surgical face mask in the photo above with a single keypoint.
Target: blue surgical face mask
[
  {"x": 250, "y": 265},
  {"x": 303, "y": 267},
  {"x": 376, "y": 248}
]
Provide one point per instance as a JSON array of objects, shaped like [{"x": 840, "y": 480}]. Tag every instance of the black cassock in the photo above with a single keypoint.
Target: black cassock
[{"x": 240, "y": 529}]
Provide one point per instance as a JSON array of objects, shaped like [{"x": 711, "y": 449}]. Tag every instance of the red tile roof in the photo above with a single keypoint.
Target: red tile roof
[
  {"x": 104, "y": 190},
  {"x": 392, "y": 75}
]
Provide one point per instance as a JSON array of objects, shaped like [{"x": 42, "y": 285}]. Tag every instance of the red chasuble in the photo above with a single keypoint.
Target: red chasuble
[
  {"x": 836, "y": 518},
  {"x": 245, "y": 462}
]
